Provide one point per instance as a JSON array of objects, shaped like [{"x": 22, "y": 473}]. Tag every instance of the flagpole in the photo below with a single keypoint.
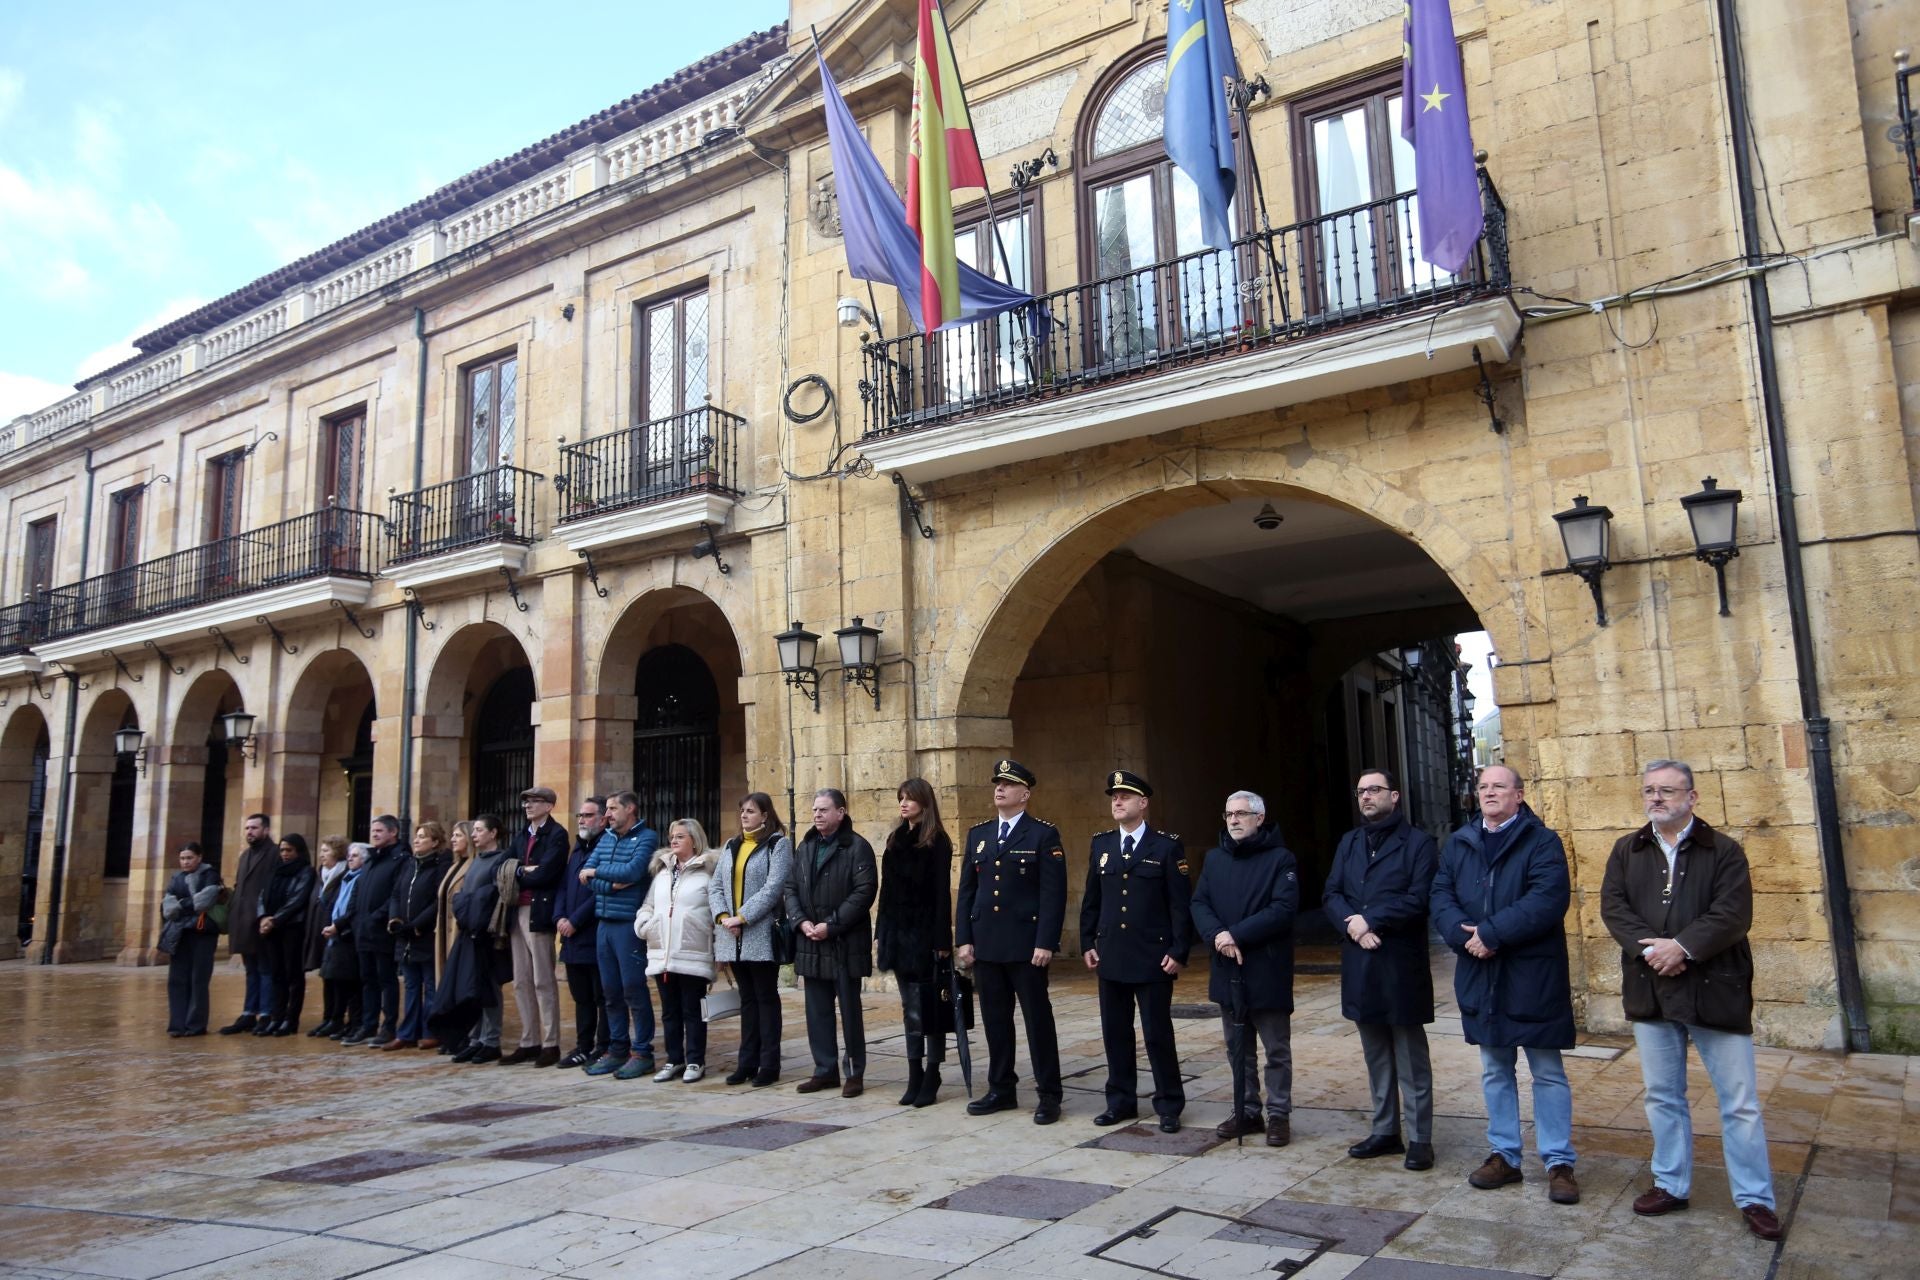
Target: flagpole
[{"x": 1240, "y": 95}]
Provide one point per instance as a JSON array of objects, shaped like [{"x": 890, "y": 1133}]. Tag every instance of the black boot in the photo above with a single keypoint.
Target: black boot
[
  {"x": 916, "y": 1075},
  {"x": 929, "y": 1080}
]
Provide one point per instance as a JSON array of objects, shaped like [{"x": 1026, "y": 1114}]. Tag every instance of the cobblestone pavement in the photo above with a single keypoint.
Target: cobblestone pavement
[{"x": 124, "y": 1153}]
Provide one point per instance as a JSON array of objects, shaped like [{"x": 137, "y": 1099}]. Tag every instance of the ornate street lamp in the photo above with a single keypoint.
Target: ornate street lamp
[
  {"x": 860, "y": 656},
  {"x": 237, "y": 728},
  {"x": 1586, "y": 532},
  {"x": 797, "y": 647},
  {"x": 1712, "y": 512},
  {"x": 131, "y": 742}
]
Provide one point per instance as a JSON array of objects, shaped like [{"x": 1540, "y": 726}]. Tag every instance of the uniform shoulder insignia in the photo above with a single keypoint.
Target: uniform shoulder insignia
[
  {"x": 1058, "y": 852},
  {"x": 1182, "y": 865},
  {"x": 1171, "y": 835},
  {"x": 1109, "y": 831}
]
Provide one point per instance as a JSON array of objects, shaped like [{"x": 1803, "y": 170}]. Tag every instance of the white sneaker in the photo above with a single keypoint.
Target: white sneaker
[
  {"x": 666, "y": 1073},
  {"x": 694, "y": 1072}
]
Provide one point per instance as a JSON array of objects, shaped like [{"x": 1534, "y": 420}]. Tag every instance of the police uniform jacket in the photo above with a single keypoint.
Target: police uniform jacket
[
  {"x": 1013, "y": 900},
  {"x": 1135, "y": 910},
  {"x": 1388, "y": 886}
]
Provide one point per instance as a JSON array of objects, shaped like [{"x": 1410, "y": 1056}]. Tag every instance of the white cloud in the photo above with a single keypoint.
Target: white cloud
[
  {"x": 21, "y": 394},
  {"x": 108, "y": 356},
  {"x": 57, "y": 233}
]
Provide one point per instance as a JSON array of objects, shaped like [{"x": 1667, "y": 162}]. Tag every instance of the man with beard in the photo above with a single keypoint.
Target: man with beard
[
  {"x": 1377, "y": 896},
  {"x": 257, "y": 862}
]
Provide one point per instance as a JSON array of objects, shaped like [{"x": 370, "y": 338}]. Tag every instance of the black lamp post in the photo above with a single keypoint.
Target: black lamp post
[
  {"x": 1586, "y": 532},
  {"x": 131, "y": 742},
  {"x": 1712, "y": 513},
  {"x": 237, "y": 728},
  {"x": 860, "y": 656},
  {"x": 798, "y": 646}
]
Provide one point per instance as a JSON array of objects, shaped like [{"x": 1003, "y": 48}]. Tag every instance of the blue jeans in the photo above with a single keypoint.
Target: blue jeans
[
  {"x": 259, "y": 985},
  {"x": 1552, "y": 1104},
  {"x": 418, "y": 977},
  {"x": 623, "y": 979},
  {"x": 1728, "y": 1057}
]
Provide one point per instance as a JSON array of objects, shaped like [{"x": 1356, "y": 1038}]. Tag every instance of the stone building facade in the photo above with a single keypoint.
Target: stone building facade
[{"x": 329, "y": 499}]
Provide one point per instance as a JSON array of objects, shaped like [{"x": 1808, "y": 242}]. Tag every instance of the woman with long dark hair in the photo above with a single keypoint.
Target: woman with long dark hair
[
  {"x": 189, "y": 936},
  {"x": 283, "y": 933},
  {"x": 915, "y": 930},
  {"x": 745, "y": 894}
]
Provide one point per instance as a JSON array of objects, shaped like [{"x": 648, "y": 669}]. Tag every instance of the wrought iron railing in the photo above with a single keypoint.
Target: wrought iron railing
[
  {"x": 500, "y": 505},
  {"x": 1271, "y": 288},
  {"x": 23, "y": 625},
  {"x": 331, "y": 542},
  {"x": 692, "y": 452},
  {"x": 1906, "y": 129}
]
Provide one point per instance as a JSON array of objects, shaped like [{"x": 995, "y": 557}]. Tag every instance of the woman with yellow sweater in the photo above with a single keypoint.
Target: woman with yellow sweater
[{"x": 745, "y": 894}]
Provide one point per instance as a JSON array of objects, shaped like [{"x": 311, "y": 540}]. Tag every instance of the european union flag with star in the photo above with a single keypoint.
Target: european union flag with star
[
  {"x": 1199, "y": 128},
  {"x": 1433, "y": 117}
]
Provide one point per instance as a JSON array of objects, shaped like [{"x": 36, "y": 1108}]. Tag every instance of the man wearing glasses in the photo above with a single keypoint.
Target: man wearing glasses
[
  {"x": 1377, "y": 896},
  {"x": 542, "y": 855},
  {"x": 1678, "y": 899}
]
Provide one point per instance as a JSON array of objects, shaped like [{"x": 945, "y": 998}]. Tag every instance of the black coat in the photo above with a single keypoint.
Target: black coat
[
  {"x": 1520, "y": 995},
  {"x": 916, "y": 905},
  {"x": 1249, "y": 888},
  {"x": 413, "y": 909},
  {"x": 1013, "y": 898},
  {"x": 473, "y": 905},
  {"x": 287, "y": 894},
  {"x": 257, "y": 862},
  {"x": 540, "y": 873},
  {"x": 372, "y": 894},
  {"x": 341, "y": 959},
  {"x": 837, "y": 892},
  {"x": 1136, "y": 911},
  {"x": 1389, "y": 888},
  {"x": 325, "y": 894},
  {"x": 573, "y": 902}
]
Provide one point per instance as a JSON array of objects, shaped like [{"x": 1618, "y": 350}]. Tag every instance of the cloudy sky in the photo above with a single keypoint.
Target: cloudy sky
[{"x": 155, "y": 155}]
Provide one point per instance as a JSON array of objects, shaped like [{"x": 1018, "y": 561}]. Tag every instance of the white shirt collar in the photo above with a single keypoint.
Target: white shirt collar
[
  {"x": 1135, "y": 831},
  {"x": 1493, "y": 830},
  {"x": 1673, "y": 847},
  {"x": 1010, "y": 821}
]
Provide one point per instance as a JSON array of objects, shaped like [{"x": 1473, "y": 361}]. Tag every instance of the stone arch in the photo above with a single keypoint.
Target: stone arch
[
  {"x": 89, "y": 921},
  {"x": 25, "y": 747},
  {"x": 312, "y": 791},
  {"x": 469, "y": 663}
]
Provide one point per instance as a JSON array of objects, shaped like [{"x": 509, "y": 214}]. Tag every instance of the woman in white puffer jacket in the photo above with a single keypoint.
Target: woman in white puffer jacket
[{"x": 676, "y": 923}]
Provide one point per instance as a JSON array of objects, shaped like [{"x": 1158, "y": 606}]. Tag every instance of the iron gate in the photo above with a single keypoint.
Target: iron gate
[
  {"x": 503, "y": 750},
  {"x": 676, "y": 740}
]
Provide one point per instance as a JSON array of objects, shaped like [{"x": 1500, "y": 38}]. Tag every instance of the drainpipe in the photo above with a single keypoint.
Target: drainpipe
[
  {"x": 1826, "y": 796},
  {"x": 66, "y": 748},
  {"x": 413, "y": 617}
]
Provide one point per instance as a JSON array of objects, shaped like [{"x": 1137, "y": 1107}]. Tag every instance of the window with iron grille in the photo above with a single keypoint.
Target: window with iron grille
[
  {"x": 991, "y": 356},
  {"x": 489, "y": 395},
  {"x": 225, "y": 481},
  {"x": 503, "y": 750}
]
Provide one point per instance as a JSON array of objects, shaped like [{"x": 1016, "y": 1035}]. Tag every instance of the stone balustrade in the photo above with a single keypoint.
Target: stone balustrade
[
  {"x": 548, "y": 191},
  {"x": 243, "y": 333},
  {"x": 362, "y": 277}
]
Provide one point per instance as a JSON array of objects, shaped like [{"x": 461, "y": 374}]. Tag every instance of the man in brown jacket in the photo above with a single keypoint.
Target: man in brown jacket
[
  {"x": 257, "y": 862},
  {"x": 1678, "y": 899}
]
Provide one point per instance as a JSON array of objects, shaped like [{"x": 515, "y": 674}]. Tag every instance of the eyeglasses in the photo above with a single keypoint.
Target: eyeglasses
[
  {"x": 1664, "y": 793},
  {"x": 587, "y": 816},
  {"x": 1231, "y": 814},
  {"x": 1371, "y": 791}
]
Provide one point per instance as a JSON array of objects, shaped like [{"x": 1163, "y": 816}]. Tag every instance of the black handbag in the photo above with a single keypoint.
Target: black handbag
[{"x": 783, "y": 944}]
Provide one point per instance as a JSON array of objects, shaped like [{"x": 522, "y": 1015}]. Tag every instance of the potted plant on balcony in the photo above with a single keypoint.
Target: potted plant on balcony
[{"x": 501, "y": 524}]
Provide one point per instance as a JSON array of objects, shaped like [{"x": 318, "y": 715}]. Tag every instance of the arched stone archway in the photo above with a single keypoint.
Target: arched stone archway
[
  {"x": 470, "y": 663},
  {"x": 318, "y": 784},
  {"x": 25, "y": 745},
  {"x": 87, "y": 908}
]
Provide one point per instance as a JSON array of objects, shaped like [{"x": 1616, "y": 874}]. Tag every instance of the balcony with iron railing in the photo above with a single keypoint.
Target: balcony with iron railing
[
  {"x": 1906, "y": 128},
  {"x": 20, "y": 626},
  {"x": 1325, "y": 307},
  {"x": 479, "y": 523},
  {"x": 659, "y": 477},
  {"x": 297, "y": 566}
]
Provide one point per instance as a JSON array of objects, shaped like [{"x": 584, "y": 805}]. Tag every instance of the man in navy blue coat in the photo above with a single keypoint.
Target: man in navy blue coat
[
  {"x": 1377, "y": 896},
  {"x": 1135, "y": 931},
  {"x": 1500, "y": 901}
]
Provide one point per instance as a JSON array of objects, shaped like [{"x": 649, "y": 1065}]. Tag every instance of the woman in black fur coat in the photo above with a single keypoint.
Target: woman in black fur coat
[{"x": 915, "y": 931}]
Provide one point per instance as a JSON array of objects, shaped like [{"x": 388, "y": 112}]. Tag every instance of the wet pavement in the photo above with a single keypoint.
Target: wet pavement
[{"x": 128, "y": 1154}]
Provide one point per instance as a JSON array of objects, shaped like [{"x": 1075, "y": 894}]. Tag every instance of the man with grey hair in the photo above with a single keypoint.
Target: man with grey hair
[
  {"x": 1243, "y": 907},
  {"x": 1678, "y": 898}
]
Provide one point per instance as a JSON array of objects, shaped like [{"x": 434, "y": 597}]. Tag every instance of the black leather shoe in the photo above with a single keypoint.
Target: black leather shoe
[
  {"x": 525, "y": 1053},
  {"x": 738, "y": 1076},
  {"x": 465, "y": 1052},
  {"x": 1047, "y": 1112},
  {"x": 264, "y": 1027},
  {"x": 1110, "y": 1116},
  {"x": 1419, "y": 1156},
  {"x": 988, "y": 1103},
  {"x": 1169, "y": 1124},
  {"x": 1378, "y": 1144},
  {"x": 242, "y": 1023},
  {"x": 485, "y": 1053}
]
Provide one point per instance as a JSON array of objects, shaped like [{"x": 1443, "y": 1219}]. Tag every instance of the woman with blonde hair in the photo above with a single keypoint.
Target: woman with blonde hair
[
  {"x": 460, "y": 846},
  {"x": 676, "y": 922}
]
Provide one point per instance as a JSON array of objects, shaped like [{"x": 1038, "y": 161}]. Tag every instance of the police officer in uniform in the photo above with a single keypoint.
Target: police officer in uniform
[
  {"x": 1013, "y": 900},
  {"x": 1135, "y": 931}
]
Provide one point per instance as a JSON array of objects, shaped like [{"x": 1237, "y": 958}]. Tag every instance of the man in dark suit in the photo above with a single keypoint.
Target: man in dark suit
[
  {"x": 1013, "y": 900},
  {"x": 1377, "y": 896},
  {"x": 1135, "y": 931},
  {"x": 542, "y": 860}
]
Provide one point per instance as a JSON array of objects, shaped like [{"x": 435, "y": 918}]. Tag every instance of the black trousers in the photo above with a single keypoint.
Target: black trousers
[
  {"x": 285, "y": 953},
  {"x": 683, "y": 1031},
  {"x": 759, "y": 983},
  {"x": 589, "y": 1008},
  {"x": 822, "y": 994},
  {"x": 379, "y": 989},
  {"x": 1155, "y": 1002},
  {"x": 188, "y": 973},
  {"x": 999, "y": 984},
  {"x": 339, "y": 1001}
]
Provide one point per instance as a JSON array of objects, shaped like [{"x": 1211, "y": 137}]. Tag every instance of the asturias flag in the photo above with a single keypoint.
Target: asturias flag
[
  {"x": 881, "y": 247},
  {"x": 942, "y": 157},
  {"x": 1433, "y": 117},
  {"x": 1199, "y": 128}
]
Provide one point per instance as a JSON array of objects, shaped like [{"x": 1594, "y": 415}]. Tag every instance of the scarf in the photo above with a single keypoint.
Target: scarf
[
  {"x": 503, "y": 907},
  {"x": 343, "y": 905}
]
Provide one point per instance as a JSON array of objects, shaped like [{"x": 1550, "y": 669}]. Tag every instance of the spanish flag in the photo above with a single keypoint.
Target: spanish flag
[{"x": 942, "y": 156}]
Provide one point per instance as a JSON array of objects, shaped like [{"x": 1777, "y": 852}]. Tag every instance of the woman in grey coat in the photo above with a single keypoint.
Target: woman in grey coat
[
  {"x": 189, "y": 937},
  {"x": 745, "y": 894}
]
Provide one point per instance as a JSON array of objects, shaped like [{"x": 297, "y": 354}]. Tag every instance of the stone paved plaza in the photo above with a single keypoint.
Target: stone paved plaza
[{"x": 128, "y": 1154}]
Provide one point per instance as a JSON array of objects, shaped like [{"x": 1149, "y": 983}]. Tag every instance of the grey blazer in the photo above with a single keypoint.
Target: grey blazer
[{"x": 768, "y": 869}]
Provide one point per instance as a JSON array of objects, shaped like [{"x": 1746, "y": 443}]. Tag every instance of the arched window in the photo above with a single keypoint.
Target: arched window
[{"x": 1157, "y": 286}]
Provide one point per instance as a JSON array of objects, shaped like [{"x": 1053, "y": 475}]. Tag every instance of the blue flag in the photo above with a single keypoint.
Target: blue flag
[
  {"x": 1199, "y": 126},
  {"x": 881, "y": 247},
  {"x": 1433, "y": 117}
]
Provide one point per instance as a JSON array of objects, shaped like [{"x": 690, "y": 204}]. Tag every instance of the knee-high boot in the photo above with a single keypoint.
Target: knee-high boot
[{"x": 916, "y": 1045}]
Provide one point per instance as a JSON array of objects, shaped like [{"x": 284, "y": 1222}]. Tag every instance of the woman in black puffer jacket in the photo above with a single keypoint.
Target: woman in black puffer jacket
[
  {"x": 915, "y": 931},
  {"x": 283, "y": 934}
]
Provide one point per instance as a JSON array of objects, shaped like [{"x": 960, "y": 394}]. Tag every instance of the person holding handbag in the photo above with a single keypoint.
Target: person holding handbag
[
  {"x": 676, "y": 923},
  {"x": 914, "y": 931},
  {"x": 745, "y": 894},
  {"x": 191, "y": 910}
]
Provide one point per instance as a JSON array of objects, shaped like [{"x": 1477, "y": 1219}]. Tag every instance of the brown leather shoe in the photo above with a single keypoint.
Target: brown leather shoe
[
  {"x": 429, "y": 1044},
  {"x": 396, "y": 1044},
  {"x": 1239, "y": 1126},
  {"x": 853, "y": 1088},
  {"x": 1658, "y": 1201},
  {"x": 1496, "y": 1172},
  {"x": 1279, "y": 1131},
  {"x": 1761, "y": 1221},
  {"x": 525, "y": 1053},
  {"x": 1562, "y": 1187},
  {"x": 814, "y": 1084}
]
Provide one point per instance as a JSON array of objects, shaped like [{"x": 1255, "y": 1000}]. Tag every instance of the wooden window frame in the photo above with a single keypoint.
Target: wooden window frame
[
  {"x": 642, "y": 364},
  {"x": 497, "y": 361},
  {"x": 126, "y": 507},
  {"x": 50, "y": 562},
  {"x": 225, "y": 474},
  {"x": 1304, "y": 110},
  {"x": 330, "y": 427}
]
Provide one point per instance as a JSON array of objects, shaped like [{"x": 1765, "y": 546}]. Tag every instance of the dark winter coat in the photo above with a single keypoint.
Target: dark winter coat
[
  {"x": 415, "y": 904},
  {"x": 374, "y": 892},
  {"x": 540, "y": 871},
  {"x": 916, "y": 904},
  {"x": 288, "y": 893},
  {"x": 1709, "y": 916},
  {"x": 1389, "y": 888},
  {"x": 325, "y": 893},
  {"x": 836, "y": 890},
  {"x": 1250, "y": 889},
  {"x": 573, "y": 902},
  {"x": 473, "y": 909},
  {"x": 257, "y": 862},
  {"x": 1520, "y": 995}
]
